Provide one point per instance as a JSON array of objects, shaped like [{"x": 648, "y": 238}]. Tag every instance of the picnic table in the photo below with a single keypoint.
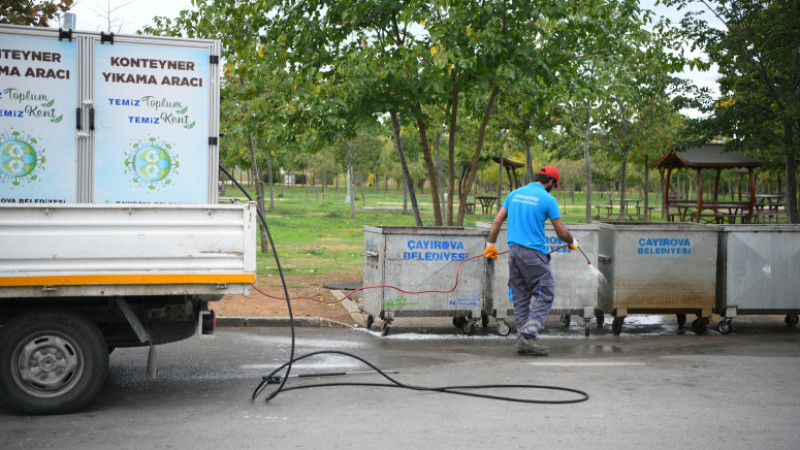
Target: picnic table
[
  {"x": 768, "y": 206},
  {"x": 712, "y": 211},
  {"x": 486, "y": 203}
]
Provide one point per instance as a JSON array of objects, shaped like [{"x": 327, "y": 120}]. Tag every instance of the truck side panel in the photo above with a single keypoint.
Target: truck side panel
[{"x": 86, "y": 250}]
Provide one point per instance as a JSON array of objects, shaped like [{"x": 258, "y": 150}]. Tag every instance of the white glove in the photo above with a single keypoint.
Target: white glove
[{"x": 574, "y": 245}]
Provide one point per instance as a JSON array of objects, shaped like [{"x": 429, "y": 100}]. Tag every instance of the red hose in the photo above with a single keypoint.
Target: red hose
[
  {"x": 433, "y": 291},
  {"x": 384, "y": 286}
]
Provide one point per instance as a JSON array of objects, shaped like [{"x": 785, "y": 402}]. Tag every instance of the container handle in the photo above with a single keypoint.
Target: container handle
[
  {"x": 373, "y": 255},
  {"x": 605, "y": 259}
]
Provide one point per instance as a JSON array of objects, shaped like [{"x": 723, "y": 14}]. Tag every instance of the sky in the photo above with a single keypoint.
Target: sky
[{"x": 128, "y": 16}]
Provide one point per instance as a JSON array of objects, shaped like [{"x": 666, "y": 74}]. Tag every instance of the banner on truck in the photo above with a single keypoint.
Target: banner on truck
[
  {"x": 151, "y": 124},
  {"x": 38, "y": 100}
]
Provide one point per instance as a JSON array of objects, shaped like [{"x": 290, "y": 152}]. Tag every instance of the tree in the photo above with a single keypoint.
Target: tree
[
  {"x": 758, "y": 54},
  {"x": 32, "y": 12},
  {"x": 638, "y": 100}
]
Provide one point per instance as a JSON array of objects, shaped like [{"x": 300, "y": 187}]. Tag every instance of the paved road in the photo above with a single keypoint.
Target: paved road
[{"x": 654, "y": 386}]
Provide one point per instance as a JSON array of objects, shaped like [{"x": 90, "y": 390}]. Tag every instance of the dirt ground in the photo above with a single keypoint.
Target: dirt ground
[{"x": 258, "y": 305}]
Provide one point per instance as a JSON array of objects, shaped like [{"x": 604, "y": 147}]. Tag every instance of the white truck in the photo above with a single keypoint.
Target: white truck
[{"x": 110, "y": 231}]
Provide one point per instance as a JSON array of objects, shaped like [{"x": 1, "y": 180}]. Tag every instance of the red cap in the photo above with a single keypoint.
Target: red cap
[{"x": 551, "y": 172}]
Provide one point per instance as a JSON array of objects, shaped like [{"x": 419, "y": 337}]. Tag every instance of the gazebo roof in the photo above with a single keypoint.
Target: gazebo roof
[
  {"x": 508, "y": 162},
  {"x": 707, "y": 156}
]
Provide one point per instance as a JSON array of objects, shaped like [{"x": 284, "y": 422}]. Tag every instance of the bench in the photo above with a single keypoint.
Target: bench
[
  {"x": 640, "y": 211},
  {"x": 600, "y": 208}
]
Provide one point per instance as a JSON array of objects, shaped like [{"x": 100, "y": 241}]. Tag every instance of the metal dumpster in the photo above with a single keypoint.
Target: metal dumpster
[
  {"x": 577, "y": 283},
  {"x": 758, "y": 272},
  {"x": 414, "y": 270},
  {"x": 658, "y": 268}
]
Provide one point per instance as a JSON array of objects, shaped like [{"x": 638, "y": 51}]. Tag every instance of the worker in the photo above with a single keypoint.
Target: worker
[{"x": 529, "y": 272}]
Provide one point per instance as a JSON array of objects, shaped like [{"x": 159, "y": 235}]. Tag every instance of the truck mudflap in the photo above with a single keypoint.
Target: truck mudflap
[{"x": 206, "y": 324}]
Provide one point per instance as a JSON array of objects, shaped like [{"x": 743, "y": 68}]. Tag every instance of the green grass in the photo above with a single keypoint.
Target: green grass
[{"x": 314, "y": 238}]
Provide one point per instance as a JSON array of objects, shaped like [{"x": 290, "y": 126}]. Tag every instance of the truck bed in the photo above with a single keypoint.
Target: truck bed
[{"x": 69, "y": 250}]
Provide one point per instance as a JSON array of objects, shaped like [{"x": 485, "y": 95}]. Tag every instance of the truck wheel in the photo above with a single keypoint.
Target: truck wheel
[{"x": 51, "y": 362}]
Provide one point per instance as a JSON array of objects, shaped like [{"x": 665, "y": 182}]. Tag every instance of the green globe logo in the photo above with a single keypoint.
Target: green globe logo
[
  {"x": 152, "y": 163},
  {"x": 17, "y": 158}
]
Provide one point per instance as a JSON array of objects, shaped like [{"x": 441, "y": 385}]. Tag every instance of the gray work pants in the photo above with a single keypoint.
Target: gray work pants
[{"x": 530, "y": 276}]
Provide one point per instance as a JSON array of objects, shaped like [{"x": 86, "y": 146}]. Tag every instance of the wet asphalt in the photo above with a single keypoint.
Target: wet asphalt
[{"x": 657, "y": 385}]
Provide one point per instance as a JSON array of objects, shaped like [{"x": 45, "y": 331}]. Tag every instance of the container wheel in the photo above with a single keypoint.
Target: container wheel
[
  {"x": 469, "y": 327},
  {"x": 484, "y": 320},
  {"x": 370, "y": 321},
  {"x": 586, "y": 331},
  {"x": 386, "y": 328},
  {"x": 51, "y": 362},
  {"x": 616, "y": 325},
  {"x": 503, "y": 329},
  {"x": 601, "y": 318},
  {"x": 681, "y": 319},
  {"x": 724, "y": 326},
  {"x": 565, "y": 320},
  {"x": 791, "y": 320},
  {"x": 700, "y": 325},
  {"x": 459, "y": 321}
]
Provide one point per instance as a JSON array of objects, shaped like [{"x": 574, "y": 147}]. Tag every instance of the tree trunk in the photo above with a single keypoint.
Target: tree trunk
[
  {"x": 790, "y": 196},
  {"x": 222, "y": 181},
  {"x": 623, "y": 184},
  {"x": 426, "y": 152},
  {"x": 405, "y": 197},
  {"x": 663, "y": 196},
  {"x": 350, "y": 179},
  {"x": 451, "y": 150},
  {"x": 462, "y": 196},
  {"x": 324, "y": 180},
  {"x": 588, "y": 160},
  {"x": 259, "y": 193},
  {"x": 398, "y": 141},
  {"x": 440, "y": 173},
  {"x": 500, "y": 175},
  {"x": 270, "y": 181},
  {"x": 528, "y": 161},
  {"x": 363, "y": 180},
  {"x": 646, "y": 188}
]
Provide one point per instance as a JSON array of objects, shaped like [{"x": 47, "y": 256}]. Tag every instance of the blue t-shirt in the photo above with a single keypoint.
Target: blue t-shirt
[{"x": 528, "y": 208}]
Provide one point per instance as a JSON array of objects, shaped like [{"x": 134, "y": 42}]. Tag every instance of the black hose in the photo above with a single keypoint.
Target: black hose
[
  {"x": 285, "y": 292},
  {"x": 272, "y": 378}
]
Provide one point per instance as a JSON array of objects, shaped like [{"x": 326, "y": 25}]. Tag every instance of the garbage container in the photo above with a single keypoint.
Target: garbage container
[
  {"x": 415, "y": 270},
  {"x": 658, "y": 268},
  {"x": 758, "y": 272},
  {"x": 577, "y": 283}
]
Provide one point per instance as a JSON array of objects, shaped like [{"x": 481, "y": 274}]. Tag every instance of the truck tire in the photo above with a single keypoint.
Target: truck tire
[{"x": 51, "y": 362}]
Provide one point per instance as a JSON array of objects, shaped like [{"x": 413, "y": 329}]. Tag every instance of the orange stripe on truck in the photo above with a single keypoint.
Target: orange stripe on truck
[{"x": 75, "y": 280}]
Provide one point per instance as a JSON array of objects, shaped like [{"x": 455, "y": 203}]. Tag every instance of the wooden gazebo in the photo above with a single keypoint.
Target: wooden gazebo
[
  {"x": 511, "y": 170},
  {"x": 488, "y": 201},
  {"x": 709, "y": 156}
]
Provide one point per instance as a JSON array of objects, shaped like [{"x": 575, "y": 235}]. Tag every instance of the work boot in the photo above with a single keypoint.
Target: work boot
[{"x": 529, "y": 346}]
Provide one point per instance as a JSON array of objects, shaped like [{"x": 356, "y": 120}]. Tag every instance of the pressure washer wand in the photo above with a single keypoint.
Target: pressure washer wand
[
  {"x": 581, "y": 250},
  {"x": 584, "y": 255}
]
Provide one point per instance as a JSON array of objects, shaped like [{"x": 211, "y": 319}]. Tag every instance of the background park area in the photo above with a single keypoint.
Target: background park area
[{"x": 320, "y": 243}]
